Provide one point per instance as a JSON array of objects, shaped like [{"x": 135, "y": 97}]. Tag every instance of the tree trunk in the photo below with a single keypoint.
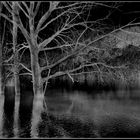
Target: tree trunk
[
  {"x": 1, "y": 81},
  {"x": 16, "y": 114},
  {"x": 16, "y": 63},
  {"x": 1, "y": 112},
  {"x": 36, "y": 74},
  {"x": 1, "y": 60}
]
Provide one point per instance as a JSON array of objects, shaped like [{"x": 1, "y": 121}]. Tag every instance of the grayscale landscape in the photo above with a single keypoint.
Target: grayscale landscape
[{"x": 69, "y": 69}]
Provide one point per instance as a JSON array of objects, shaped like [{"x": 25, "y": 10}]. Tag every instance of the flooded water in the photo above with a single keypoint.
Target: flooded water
[{"x": 70, "y": 114}]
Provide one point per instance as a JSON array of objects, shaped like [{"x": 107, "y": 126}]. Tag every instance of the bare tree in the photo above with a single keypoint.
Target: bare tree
[
  {"x": 54, "y": 33},
  {"x": 57, "y": 31}
]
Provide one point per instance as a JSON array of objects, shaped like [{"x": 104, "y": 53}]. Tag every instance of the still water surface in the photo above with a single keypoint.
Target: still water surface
[{"x": 71, "y": 114}]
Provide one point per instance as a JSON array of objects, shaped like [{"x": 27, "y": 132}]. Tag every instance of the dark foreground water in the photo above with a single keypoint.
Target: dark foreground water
[{"x": 71, "y": 115}]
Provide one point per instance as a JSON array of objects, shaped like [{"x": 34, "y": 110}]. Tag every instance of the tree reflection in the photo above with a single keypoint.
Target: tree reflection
[
  {"x": 25, "y": 115},
  {"x": 8, "y": 114}
]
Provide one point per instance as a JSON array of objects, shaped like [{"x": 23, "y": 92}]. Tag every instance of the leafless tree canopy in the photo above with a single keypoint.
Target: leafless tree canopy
[{"x": 60, "y": 37}]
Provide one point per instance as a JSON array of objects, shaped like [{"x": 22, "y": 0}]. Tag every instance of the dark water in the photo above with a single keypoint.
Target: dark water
[{"x": 70, "y": 114}]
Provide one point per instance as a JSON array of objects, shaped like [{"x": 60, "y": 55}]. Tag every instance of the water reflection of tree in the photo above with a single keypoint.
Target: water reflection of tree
[
  {"x": 8, "y": 115},
  {"x": 62, "y": 126},
  {"x": 25, "y": 115}
]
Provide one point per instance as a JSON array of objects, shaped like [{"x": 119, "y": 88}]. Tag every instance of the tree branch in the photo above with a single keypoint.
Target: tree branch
[
  {"x": 47, "y": 41},
  {"x": 20, "y": 25},
  {"x": 71, "y": 72},
  {"x": 3, "y": 34},
  {"x": 37, "y": 8},
  {"x": 71, "y": 5},
  {"x": 61, "y": 60},
  {"x": 57, "y": 47},
  {"x": 25, "y": 67},
  {"x": 7, "y": 18},
  {"x": 7, "y": 7},
  {"x": 44, "y": 17},
  {"x": 58, "y": 16},
  {"x": 6, "y": 61},
  {"x": 23, "y": 10},
  {"x": 70, "y": 77},
  {"x": 26, "y": 74},
  {"x": 83, "y": 47},
  {"x": 68, "y": 26},
  {"x": 23, "y": 47},
  {"x": 25, "y": 5}
]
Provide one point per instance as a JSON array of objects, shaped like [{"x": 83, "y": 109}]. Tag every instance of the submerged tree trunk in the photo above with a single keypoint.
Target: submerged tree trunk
[
  {"x": 38, "y": 108},
  {"x": 16, "y": 114},
  {"x": 16, "y": 63}
]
